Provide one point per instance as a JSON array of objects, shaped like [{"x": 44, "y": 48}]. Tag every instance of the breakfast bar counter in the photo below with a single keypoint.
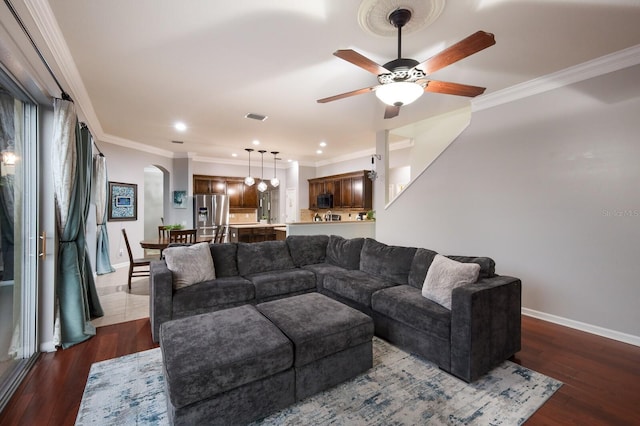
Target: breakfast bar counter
[{"x": 344, "y": 228}]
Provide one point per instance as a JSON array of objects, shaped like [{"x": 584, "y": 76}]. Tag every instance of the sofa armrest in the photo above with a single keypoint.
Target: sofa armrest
[
  {"x": 485, "y": 325},
  {"x": 160, "y": 297}
]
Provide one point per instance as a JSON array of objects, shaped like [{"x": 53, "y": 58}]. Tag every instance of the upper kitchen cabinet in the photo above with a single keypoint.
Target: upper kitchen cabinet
[
  {"x": 250, "y": 196},
  {"x": 349, "y": 190},
  {"x": 316, "y": 187},
  {"x": 240, "y": 195},
  {"x": 209, "y": 185}
]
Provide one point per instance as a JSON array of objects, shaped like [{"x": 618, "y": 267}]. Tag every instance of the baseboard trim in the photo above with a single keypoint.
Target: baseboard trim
[{"x": 589, "y": 328}]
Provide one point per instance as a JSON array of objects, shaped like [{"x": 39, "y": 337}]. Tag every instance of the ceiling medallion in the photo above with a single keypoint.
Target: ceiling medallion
[{"x": 373, "y": 15}]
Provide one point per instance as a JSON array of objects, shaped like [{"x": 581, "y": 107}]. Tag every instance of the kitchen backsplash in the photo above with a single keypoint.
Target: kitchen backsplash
[
  {"x": 244, "y": 217},
  {"x": 307, "y": 215}
]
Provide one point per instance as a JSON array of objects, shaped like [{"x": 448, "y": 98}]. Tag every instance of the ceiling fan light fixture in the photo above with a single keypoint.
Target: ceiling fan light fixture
[{"x": 399, "y": 93}]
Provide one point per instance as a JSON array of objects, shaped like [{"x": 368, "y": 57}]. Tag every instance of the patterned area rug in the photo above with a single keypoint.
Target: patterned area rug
[{"x": 400, "y": 389}]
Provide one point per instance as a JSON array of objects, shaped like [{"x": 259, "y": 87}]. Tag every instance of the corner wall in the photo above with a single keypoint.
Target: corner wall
[{"x": 548, "y": 187}]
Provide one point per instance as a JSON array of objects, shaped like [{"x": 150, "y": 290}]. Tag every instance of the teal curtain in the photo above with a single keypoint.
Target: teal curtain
[
  {"x": 100, "y": 181},
  {"x": 77, "y": 298}
]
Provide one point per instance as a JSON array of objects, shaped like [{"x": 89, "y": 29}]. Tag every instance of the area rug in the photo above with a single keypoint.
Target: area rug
[{"x": 400, "y": 389}]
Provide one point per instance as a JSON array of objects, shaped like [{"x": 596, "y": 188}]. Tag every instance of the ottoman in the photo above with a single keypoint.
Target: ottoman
[
  {"x": 226, "y": 367},
  {"x": 332, "y": 342}
]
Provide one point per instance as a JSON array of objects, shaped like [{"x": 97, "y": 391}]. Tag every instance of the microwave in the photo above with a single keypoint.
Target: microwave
[{"x": 325, "y": 201}]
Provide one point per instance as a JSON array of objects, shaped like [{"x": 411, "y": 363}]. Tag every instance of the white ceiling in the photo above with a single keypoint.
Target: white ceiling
[{"x": 148, "y": 63}]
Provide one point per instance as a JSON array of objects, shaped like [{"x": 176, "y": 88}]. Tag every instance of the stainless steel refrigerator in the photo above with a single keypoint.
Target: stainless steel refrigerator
[{"x": 210, "y": 212}]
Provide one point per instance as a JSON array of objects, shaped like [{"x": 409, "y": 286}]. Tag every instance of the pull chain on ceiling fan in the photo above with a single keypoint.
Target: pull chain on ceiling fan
[{"x": 403, "y": 80}]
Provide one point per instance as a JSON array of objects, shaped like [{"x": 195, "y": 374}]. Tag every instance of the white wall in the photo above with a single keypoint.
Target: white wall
[
  {"x": 127, "y": 165},
  {"x": 549, "y": 187},
  {"x": 347, "y": 166}
]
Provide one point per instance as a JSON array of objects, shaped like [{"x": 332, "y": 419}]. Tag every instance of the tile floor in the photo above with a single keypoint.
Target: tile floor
[{"x": 119, "y": 304}]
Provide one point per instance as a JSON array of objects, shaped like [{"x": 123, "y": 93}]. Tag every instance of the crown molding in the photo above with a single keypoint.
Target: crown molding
[
  {"x": 115, "y": 140},
  {"x": 48, "y": 27},
  {"x": 593, "y": 68}
]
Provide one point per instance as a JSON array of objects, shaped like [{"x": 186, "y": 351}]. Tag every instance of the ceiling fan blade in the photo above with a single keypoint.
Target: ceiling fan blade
[
  {"x": 453, "y": 88},
  {"x": 391, "y": 111},
  {"x": 363, "y": 62},
  {"x": 467, "y": 47},
  {"x": 346, "y": 95}
]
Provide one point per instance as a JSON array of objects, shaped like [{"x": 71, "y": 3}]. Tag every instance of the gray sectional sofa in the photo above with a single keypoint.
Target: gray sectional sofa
[{"x": 481, "y": 329}]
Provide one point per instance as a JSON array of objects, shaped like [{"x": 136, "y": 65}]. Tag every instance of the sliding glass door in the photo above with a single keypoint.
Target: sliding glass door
[{"x": 18, "y": 235}]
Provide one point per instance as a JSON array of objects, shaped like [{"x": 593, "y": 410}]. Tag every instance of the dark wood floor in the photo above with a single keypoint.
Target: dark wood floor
[{"x": 601, "y": 376}]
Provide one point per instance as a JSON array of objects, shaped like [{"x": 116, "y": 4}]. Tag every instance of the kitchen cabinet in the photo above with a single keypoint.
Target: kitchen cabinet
[
  {"x": 249, "y": 196},
  {"x": 235, "y": 192},
  {"x": 240, "y": 195},
  {"x": 209, "y": 185},
  {"x": 349, "y": 190},
  {"x": 251, "y": 234},
  {"x": 316, "y": 187},
  {"x": 333, "y": 186}
]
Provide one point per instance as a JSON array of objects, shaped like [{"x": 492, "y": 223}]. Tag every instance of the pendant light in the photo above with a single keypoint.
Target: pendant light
[
  {"x": 249, "y": 180},
  {"x": 274, "y": 180},
  {"x": 262, "y": 186}
]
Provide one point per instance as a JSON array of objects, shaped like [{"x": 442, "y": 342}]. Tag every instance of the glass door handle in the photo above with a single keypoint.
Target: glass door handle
[{"x": 43, "y": 245}]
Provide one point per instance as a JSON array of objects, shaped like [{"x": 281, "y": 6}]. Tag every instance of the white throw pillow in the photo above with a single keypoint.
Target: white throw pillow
[
  {"x": 444, "y": 275},
  {"x": 190, "y": 264}
]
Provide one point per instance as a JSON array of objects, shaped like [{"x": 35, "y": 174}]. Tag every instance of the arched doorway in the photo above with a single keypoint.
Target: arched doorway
[{"x": 155, "y": 210}]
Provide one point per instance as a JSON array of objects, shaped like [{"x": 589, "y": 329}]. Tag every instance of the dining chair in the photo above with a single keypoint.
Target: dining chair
[
  {"x": 134, "y": 264},
  {"x": 220, "y": 234},
  {"x": 182, "y": 236},
  {"x": 163, "y": 232}
]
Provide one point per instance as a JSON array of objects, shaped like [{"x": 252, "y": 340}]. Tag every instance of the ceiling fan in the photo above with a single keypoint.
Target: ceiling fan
[{"x": 403, "y": 80}]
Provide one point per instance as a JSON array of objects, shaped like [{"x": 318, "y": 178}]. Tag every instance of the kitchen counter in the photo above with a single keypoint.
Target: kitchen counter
[
  {"x": 331, "y": 222},
  {"x": 253, "y": 232},
  {"x": 344, "y": 228},
  {"x": 255, "y": 225}
]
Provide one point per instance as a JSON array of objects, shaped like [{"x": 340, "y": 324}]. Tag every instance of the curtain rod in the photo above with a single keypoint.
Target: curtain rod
[{"x": 64, "y": 95}]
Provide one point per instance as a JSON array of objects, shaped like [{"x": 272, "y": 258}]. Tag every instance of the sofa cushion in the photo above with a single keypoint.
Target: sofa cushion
[
  {"x": 205, "y": 355},
  {"x": 419, "y": 266},
  {"x": 317, "y": 325},
  {"x": 189, "y": 264},
  {"x": 275, "y": 284},
  {"x": 444, "y": 275},
  {"x": 307, "y": 249},
  {"x": 390, "y": 262},
  {"x": 323, "y": 270},
  {"x": 209, "y": 296},
  {"x": 487, "y": 265},
  {"x": 357, "y": 286},
  {"x": 405, "y": 304},
  {"x": 265, "y": 256},
  {"x": 344, "y": 252},
  {"x": 224, "y": 259}
]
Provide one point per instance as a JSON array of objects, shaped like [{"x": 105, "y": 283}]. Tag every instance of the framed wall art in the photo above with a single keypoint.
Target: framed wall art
[
  {"x": 179, "y": 199},
  {"x": 123, "y": 201}
]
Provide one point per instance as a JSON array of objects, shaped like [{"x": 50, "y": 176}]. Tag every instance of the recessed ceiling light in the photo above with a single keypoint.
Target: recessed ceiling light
[
  {"x": 180, "y": 126},
  {"x": 256, "y": 142},
  {"x": 323, "y": 144},
  {"x": 319, "y": 151},
  {"x": 234, "y": 154},
  {"x": 289, "y": 160}
]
